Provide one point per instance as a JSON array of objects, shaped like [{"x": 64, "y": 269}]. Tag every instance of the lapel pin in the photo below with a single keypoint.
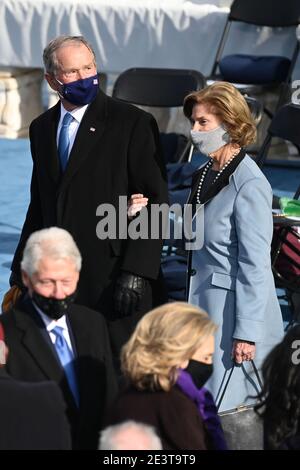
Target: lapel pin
[{"x": 92, "y": 129}]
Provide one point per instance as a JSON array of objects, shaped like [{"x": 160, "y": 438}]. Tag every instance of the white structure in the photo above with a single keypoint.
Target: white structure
[
  {"x": 20, "y": 100},
  {"x": 127, "y": 33}
]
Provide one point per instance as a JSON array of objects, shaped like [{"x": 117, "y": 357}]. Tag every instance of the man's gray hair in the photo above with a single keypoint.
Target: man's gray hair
[
  {"x": 55, "y": 243},
  {"x": 114, "y": 437},
  {"x": 49, "y": 55}
]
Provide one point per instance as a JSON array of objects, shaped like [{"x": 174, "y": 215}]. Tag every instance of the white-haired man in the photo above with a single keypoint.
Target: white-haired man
[
  {"x": 50, "y": 338},
  {"x": 130, "y": 435}
]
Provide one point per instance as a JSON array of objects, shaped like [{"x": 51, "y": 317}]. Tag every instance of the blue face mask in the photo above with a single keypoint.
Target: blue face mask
[{"x": 81, "y": 91}]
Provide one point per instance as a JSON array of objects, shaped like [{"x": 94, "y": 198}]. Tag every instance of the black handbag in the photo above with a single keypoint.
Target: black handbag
[{"x": 243, "y": 428}]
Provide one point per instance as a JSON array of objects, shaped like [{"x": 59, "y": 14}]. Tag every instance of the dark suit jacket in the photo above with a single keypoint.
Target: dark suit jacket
[
  {"x": 32, "y": 358},
  {"x": 116, "y": 153},
  {"x": 173, "y": 414},
  {"x": 32, "y": 416}
]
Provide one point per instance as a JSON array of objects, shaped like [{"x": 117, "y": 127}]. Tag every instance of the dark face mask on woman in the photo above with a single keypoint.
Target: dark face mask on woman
[
  {"x": 53, "y": 308},
  {"x": 199, "y": 371},
  {"x": 80, "y": 92}
]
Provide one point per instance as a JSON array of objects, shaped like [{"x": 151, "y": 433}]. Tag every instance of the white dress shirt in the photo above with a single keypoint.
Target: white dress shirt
[
  {"x": 74, "y": 125},
  {"x": 51, "y": 324}
]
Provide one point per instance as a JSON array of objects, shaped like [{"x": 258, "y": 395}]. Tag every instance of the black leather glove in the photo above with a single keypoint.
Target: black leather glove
[{"x": 129, "y": 291}]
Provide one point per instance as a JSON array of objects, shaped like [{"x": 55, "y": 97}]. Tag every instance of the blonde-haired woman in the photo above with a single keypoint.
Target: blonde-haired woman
[
  {"x": 166, "y": 363},
  {"x": 230, "y": 272}
]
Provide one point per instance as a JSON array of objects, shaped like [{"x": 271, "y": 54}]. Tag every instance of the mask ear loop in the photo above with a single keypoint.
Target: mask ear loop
[
  {"x": 58, "y": 92},
  {"x": 60, "y": 83},
  {"x": 228, "y": 137}
]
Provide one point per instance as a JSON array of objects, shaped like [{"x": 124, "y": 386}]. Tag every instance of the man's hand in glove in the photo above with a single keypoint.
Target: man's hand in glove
[{"x": 129, "y": 291}]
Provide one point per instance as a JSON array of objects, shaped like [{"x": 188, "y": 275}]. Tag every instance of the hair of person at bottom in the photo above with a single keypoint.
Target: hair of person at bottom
[
  {"x": 164, "y": 338},
  {"x": 129, "y": 435}
]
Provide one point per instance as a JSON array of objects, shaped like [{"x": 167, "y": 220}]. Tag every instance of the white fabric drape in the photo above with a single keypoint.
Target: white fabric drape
[{"x": 127, "y": 33}]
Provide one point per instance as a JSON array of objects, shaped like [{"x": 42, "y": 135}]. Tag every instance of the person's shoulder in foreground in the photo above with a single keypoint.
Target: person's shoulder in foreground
[{"x": 32, "y": 414}]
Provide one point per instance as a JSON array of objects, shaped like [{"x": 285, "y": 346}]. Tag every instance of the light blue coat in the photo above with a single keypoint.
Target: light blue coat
[{"x": 233, "y": 280}]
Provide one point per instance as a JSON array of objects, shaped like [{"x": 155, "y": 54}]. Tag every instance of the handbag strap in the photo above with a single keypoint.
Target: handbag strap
[
  {"x": 229, "y": 377},
  {"x": 257, "y": 374}
]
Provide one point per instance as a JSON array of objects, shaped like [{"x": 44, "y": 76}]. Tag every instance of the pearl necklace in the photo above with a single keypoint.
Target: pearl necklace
[{"x": 207, "y": 167}]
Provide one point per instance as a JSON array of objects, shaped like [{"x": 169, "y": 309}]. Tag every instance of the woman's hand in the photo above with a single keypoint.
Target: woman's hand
[
  {"x": 135, "y": 204},
  {"x": 242, "y": 351}
]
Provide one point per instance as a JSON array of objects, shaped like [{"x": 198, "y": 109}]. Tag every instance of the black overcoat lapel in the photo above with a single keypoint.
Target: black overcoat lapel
[
  {"x": 220, "y": 183},
  {"x": 88, "y": 135},
  {"x": 47, "y": 147},
  {"x": 81, "y": 342},
  {"x": 35, "y": 341}
]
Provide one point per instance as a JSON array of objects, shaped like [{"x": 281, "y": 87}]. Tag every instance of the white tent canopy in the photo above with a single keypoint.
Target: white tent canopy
[{"x": 126, "y": 33}]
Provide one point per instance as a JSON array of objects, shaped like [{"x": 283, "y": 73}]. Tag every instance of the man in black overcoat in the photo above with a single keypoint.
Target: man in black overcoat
[{"x": 112, "y": 150}]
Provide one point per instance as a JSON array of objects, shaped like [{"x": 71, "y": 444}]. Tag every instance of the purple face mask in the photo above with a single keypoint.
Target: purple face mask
[{"x": 81, "y": 91}]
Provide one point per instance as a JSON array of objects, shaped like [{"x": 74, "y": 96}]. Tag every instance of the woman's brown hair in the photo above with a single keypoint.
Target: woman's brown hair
[{"x": 225, "y": 101}]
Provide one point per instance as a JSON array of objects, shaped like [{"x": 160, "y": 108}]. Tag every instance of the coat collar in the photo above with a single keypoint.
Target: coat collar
[
  {"x": 36, "y": 340},
  {"x": 47, "y": 148}
]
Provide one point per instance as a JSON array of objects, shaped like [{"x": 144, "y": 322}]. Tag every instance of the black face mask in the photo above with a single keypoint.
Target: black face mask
[
  {"x": 199, "y": 371},
  {"x": 53, "y": 308}
]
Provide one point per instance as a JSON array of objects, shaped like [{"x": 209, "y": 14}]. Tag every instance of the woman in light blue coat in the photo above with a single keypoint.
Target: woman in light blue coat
[{"x": 230, "y": 272}]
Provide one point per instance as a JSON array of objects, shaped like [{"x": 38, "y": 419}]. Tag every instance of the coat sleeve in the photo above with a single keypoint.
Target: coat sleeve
[
  {"x": 182, "y": 426},
  {"x": 254, "y": 228},
  {"x": 54, "y": 408},
  {"x": 33, "y": 221},
  {"x": 147, "y": 175}
]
